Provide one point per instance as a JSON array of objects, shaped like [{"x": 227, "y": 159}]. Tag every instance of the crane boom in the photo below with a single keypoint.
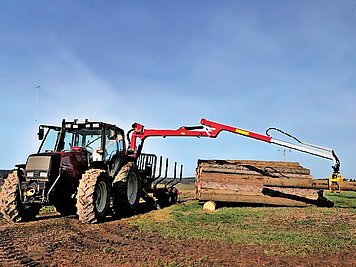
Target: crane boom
[{"x": 212, "y": 129}]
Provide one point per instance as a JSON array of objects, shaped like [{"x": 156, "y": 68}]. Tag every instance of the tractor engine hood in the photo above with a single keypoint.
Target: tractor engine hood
[{"x": 43, "y": 166}]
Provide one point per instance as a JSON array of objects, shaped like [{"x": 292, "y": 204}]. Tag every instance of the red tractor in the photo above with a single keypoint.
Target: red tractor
[{"x": 81, "y": 167}]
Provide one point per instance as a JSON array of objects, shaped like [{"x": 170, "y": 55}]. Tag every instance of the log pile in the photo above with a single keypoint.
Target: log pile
[{"x": 260, "y": 182}]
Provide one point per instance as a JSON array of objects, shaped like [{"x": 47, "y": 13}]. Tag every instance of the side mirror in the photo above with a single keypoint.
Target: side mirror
[
  {"x": 112, "y": 135},
  {"x": 40, "y": 133}
]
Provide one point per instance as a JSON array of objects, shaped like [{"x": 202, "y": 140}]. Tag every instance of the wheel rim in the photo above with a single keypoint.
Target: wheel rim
[
  {"x": 132, "y": 187},
  {"x": 101, "y": 196}
]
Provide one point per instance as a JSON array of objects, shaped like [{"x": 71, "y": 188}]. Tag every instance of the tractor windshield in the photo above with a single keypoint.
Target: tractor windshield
[
  {"x": 49, "y": 142},
  {"x": 89, "y": 139}
]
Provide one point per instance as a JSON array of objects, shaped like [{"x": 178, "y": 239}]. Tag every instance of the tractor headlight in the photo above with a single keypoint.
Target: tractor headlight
[
  {"x": 43, "y": 174},
  {"x": 30, "y": 174}
]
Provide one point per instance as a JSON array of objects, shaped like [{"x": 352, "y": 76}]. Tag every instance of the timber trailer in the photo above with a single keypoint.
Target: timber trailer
[{"x": 87, "y": 168}]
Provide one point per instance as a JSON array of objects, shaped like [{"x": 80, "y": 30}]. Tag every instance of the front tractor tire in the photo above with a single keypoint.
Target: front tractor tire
[
  {"x": 127, "y": 190},
  {"x": 11, "y": 205},
  {"x": 94, "y": 194}
]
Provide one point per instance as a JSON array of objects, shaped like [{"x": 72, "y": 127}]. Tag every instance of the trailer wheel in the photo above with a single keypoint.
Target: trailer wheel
[
  {"x": 93, "y": 200},
  {"x": 127, "y": 190},
  {"x": 174, "y": 196},
  {"x": 11, "y": 205},
  {"x": 163, "y": 197}
]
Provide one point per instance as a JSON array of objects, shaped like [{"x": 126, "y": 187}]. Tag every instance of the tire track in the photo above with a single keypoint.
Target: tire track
[
  {"x": 93, "y": 234},
  {"x": 12, "y": 254}
]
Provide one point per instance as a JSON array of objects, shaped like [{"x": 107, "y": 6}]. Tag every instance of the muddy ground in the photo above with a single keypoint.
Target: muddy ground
[{"x": 63, "y": 241}]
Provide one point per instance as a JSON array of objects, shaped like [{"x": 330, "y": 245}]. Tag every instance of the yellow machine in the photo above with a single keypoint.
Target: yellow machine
[{"x": 335, "y": 182}]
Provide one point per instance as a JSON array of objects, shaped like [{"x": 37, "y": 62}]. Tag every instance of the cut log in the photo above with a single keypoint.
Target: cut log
[{"x": 209, "y": 206}]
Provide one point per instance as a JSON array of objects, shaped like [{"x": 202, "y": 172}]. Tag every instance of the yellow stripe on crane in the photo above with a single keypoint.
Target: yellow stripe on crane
[{"x": 239, "y": 131}]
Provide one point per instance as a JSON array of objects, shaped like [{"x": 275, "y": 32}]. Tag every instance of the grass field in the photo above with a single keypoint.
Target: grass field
[
  {"x": 343, "y": 199},
  {"x": 279, "y": 230},
  {"x": 185, "y": 235}
]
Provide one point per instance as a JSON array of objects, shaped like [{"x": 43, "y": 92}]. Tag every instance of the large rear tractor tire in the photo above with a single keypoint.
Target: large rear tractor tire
[
  {"x": 127, "y": 191},
  {"x": 11, "y": 205},
  {"x": 93, "y": 199}
]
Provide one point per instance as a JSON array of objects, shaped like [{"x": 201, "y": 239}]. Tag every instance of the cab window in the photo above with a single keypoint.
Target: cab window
[
  {"x": 49, "y": 142},
  {"x": 111, "y": 144}
]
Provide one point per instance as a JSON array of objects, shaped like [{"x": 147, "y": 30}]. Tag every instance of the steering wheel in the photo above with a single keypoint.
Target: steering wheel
[{"x": 87, "y": 146}]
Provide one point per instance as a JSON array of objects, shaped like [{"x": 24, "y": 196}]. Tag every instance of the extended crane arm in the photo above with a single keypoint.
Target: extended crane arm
[{"x": 212, "y": 129}]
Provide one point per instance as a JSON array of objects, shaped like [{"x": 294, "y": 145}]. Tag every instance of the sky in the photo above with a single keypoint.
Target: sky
[{"x": 249, "y": 64}]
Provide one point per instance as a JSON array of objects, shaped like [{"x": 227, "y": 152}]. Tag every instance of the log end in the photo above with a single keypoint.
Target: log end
[{"x": 209, "y": 206}]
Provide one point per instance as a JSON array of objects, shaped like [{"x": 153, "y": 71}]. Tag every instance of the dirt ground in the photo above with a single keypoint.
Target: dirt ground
[{"x": 63, "y": 241}]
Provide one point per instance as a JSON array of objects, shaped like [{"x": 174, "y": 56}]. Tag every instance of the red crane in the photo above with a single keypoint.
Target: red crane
[{"x": 212, "y": 129}]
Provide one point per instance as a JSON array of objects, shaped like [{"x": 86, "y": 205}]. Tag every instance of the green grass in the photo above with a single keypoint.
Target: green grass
[
  {"x": 47, "y": 210},
  {"x": 343, "y": 199},
  {"x": 278, "y": 230}
]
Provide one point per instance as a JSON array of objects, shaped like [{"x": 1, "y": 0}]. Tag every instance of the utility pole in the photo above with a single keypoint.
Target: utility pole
[
  {"x": 284, "y": 153},
  {"x": 37, "y": 97}
]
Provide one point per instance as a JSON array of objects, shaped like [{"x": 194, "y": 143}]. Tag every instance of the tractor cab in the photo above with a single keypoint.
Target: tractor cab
[{"x": 101, "y": 142}]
